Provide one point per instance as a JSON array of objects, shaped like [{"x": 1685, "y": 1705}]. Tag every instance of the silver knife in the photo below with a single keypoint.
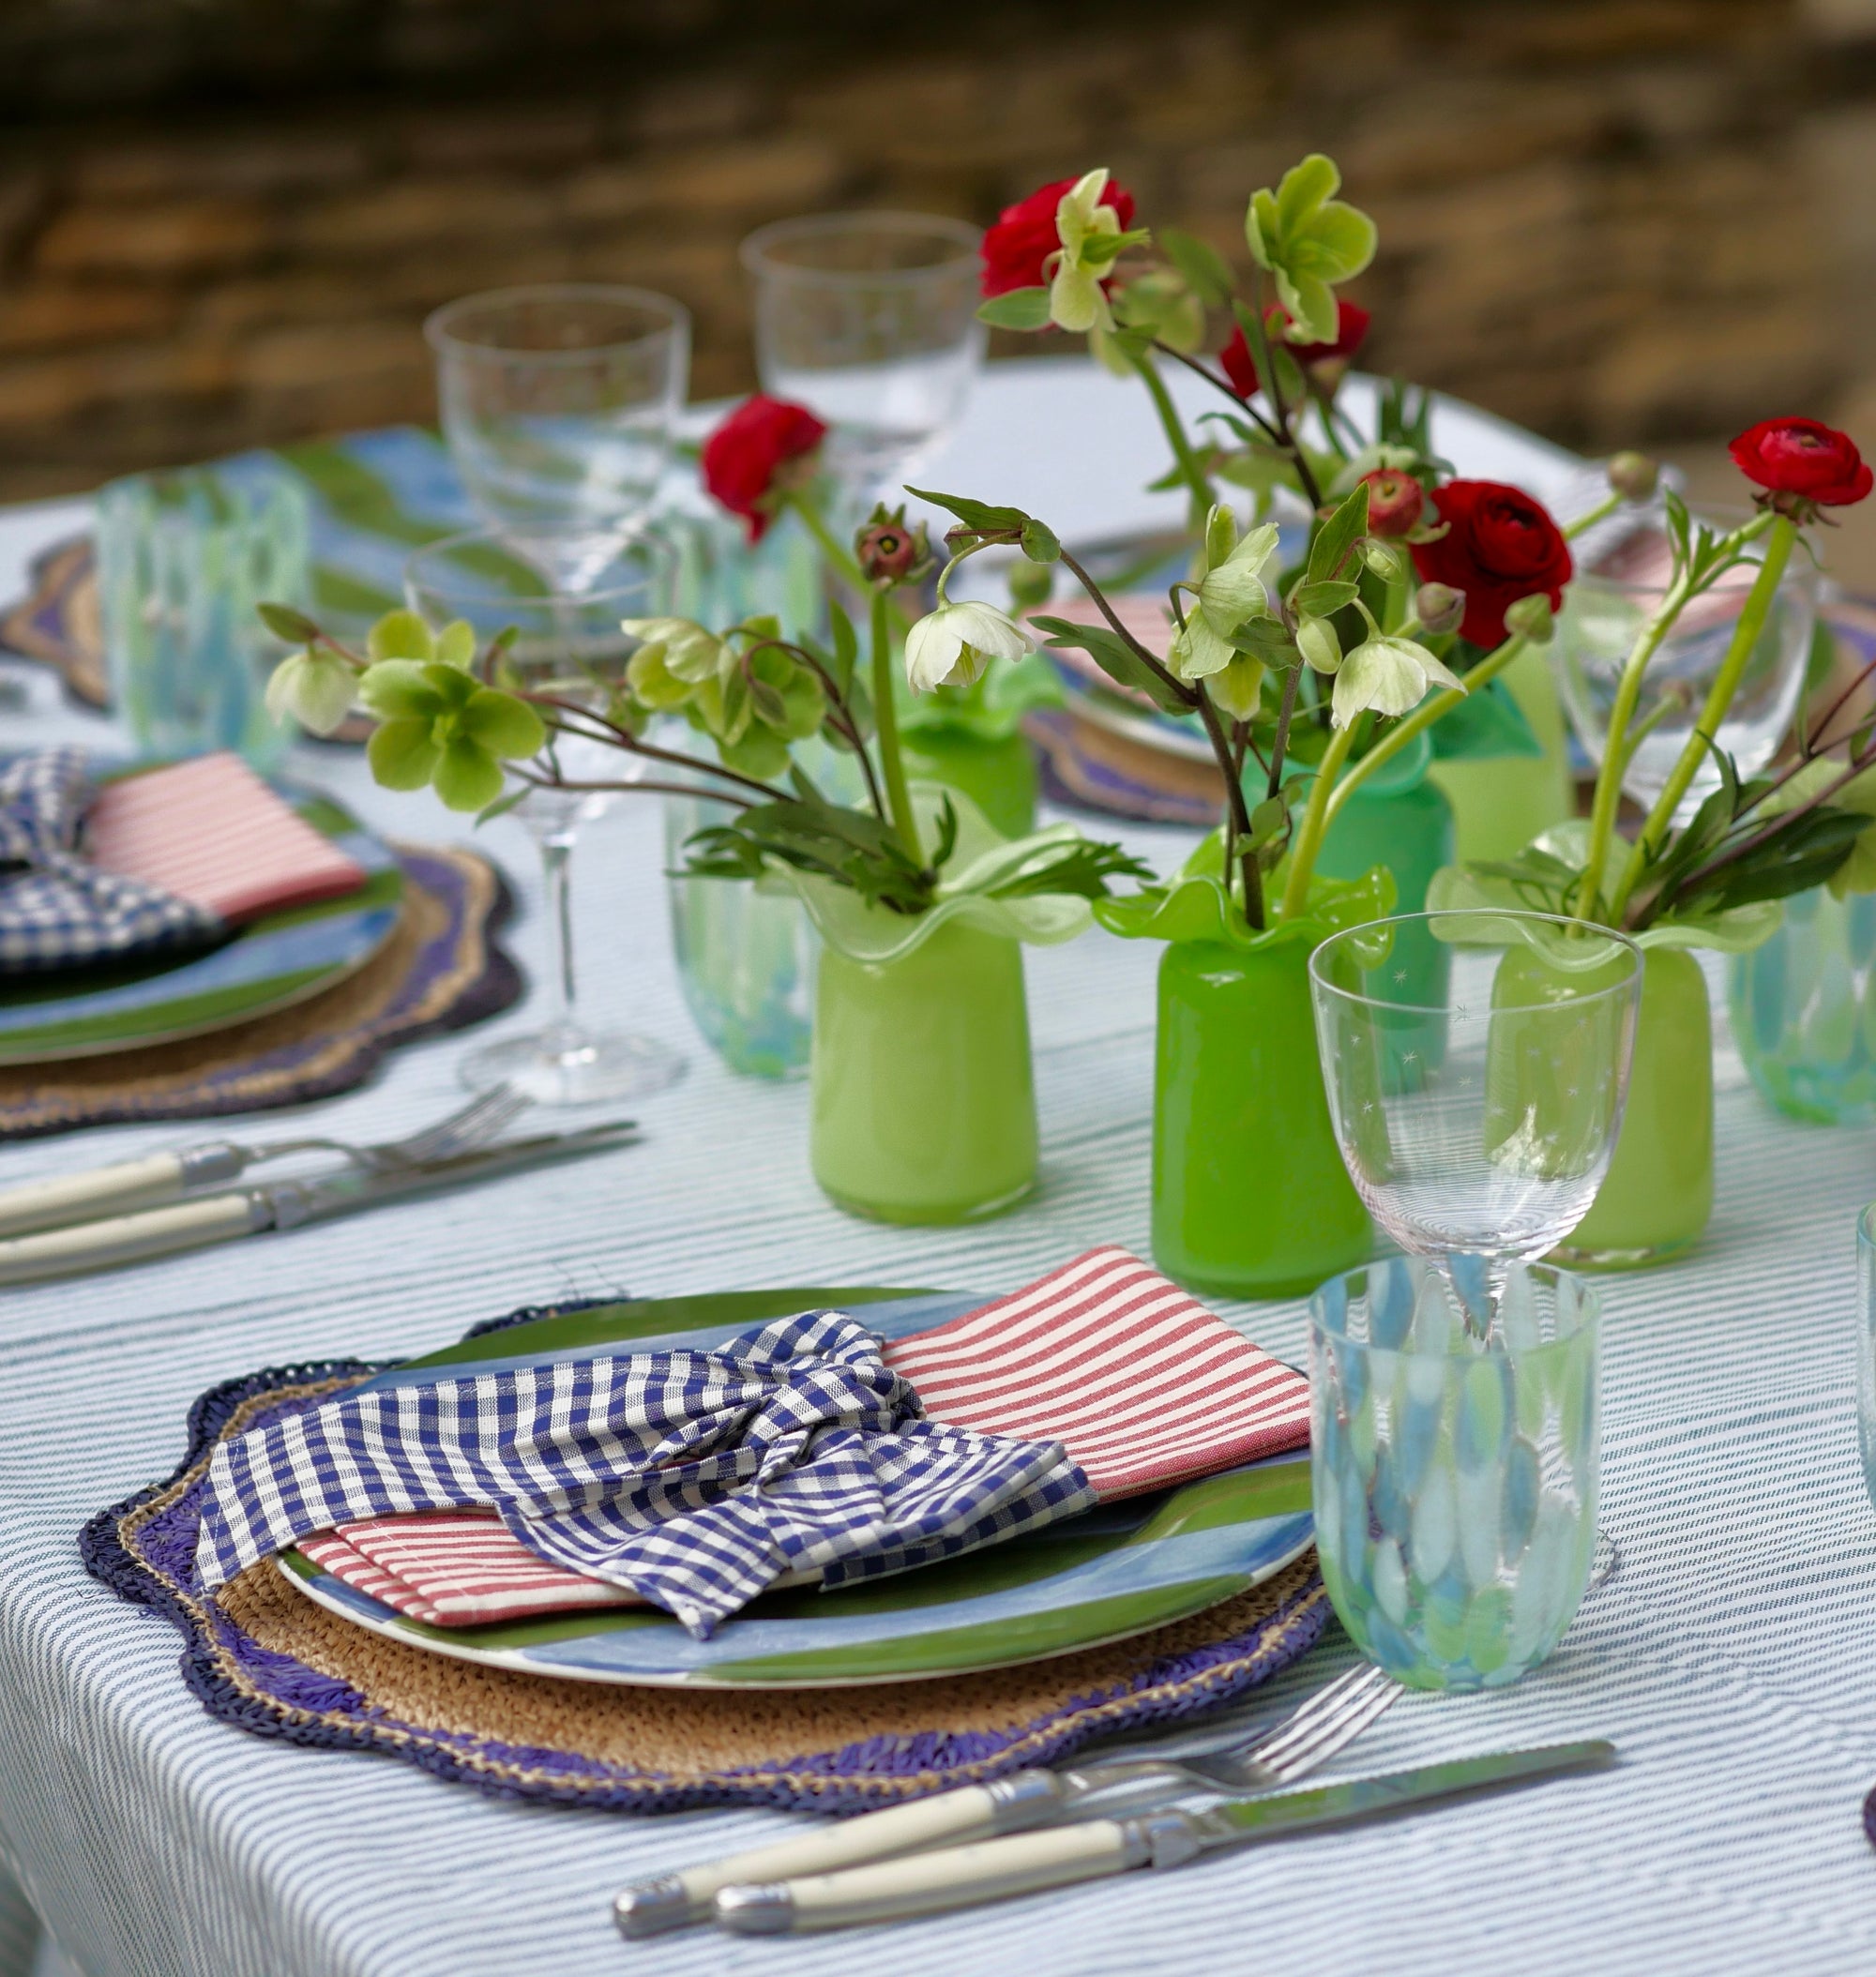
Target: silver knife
[
  {"x": 961, "y": 1877},
  {"x": 285, "y": 1204}
]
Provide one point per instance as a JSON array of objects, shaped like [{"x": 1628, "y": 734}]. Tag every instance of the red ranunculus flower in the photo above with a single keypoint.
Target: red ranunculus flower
[
  {"x": 1240, "y": 368},
  {"x": 1499, "y": 545},
  {"x": 1024, "y": 236},
  {"x": 1798, "y": 455},
  {"x": 742, "y": 458}
]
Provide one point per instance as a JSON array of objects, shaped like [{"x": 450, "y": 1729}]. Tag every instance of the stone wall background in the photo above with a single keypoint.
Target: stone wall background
[{"x": 222, "y": 221}]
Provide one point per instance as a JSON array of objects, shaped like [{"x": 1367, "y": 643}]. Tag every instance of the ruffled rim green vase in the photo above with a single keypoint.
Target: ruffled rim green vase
[
  {"x": 1250, "y": 1196},
  {"x": 922, "y": 1098}
]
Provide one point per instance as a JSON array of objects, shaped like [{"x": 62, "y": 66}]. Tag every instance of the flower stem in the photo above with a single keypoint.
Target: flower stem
[
  {"x": 1588, "y": 519},
  {"x": 1422, "y": 717},
  {"x": 1190, "y": 469},
  {"x": 1315, "y": 821},
  {"x": 904, "y": 823},
  {"x": 1784, "y": 533}
]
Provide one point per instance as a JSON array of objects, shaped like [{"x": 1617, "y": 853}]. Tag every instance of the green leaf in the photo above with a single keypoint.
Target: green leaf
[
  {"x": 501, "y": 724},
  {"x": 1038, "y": 542},
  {"x": 1323, "y": 599},
  {"x": 1266, "y": 819},
  {"x": 400, "y": 635},
  {"x": 502, "y": 804},
  {"x": 1116, "y": 658},
  {"x": 403, "y": 753},
  {"x": 1016, "y": 309},
  {"x": 846, "y": 645},
  {"x": 978, "y": 514},
  {"x": 1203, "y": 268},
  {"x": 294, "y": 626},
  {"x": 468, "y": 778},
  {"x": 1338, "y": 536}
]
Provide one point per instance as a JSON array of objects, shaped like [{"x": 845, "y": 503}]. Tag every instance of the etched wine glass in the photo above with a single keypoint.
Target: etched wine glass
[
  {"x": 570, "y": 645},
  {"x": 869, "y": 320},
  {"x": 557, "y": 404}
]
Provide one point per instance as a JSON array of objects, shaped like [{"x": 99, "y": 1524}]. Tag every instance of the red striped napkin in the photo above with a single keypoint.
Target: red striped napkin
[
  {"x": 210, "y": 831},
  {"x": 1145, "y": 1387}
]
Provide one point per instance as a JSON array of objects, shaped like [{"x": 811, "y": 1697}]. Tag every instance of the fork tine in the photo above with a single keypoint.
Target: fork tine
[
  {"x": 1331, "y": 1737},
  {"x": 481, "y": 1117},
  {"x": 1325, "y": 1710}
]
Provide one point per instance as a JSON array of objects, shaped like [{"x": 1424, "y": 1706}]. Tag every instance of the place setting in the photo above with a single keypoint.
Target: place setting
[{"x": 995, "y": 1509}]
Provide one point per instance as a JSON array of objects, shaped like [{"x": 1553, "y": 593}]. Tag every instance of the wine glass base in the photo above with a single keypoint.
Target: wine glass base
[{"x": 572, "y": 1067}]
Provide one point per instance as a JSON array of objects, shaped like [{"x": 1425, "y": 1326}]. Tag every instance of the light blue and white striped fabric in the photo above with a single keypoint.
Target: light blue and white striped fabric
[
  {"x": 694, "y": 1479},
  {"x": 1733, "y": 1658}
]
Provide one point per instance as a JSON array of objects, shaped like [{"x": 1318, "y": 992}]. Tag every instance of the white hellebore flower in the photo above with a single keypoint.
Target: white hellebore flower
[
  {"x": 315, "y": 687},
  {"x": 1076, "y": 298},
  {"x": 1388, "y": 675},
  {"x": 1231, "y": 591},
  {"x": 953, "y": 645}
]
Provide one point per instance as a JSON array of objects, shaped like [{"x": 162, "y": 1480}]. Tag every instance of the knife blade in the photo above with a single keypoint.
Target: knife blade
[
  {"x": 285, "y": 1204},
  {"x": 961, "y": 1877}
]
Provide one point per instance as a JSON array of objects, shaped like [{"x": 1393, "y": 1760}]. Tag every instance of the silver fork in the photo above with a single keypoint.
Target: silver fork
[
  {"x": 1259, "y": 1760},
  {"x": 161, "y": 1178}
]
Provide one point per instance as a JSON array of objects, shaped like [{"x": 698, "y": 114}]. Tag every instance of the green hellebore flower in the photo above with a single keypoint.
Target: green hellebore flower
[
  {"x": 402, "y": 635},
  {"x": 785, "y": 696},
  {"x": 685, "y": 649},
  {"x": 440, "y": 725},
  {"x": 1089, "y": 233},
  {"x": 314, "y": 687},
  {"x": 1231, "y": 591},
  {"x": 1309, "y": 240},
  {"x": 1387, "y": 676},
  {"x": 1238, "y": 687},
  {"x": 652, "y": 682}
]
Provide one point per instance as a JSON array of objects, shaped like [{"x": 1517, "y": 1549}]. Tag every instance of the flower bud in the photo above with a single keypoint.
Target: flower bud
[
  {"x": 1395, "y": 502},
  {"x": 1530, "y": 618},
  {"x": 1317, "y": 641},
  {"x": 1439, "y": 608},
  {"x": 888, "y": 550},
  {"x": 1634, "y": 476},
  {"x": 1029, "y": 585},
  {"x": 1389, "y": 561}
]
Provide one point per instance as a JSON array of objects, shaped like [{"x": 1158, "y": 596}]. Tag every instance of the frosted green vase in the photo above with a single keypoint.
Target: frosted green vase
[
  {"x": 1251, "y": 1197},
  {"x": 999, "y": 775},
  {"x": 1656, "y": 1199},
  {"x": 1501, "y": 802},
  {"x": 922, "y": 1098}
]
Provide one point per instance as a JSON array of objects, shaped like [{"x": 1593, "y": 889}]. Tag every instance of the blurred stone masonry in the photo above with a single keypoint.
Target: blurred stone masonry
[{"x": 222, "y": 221}]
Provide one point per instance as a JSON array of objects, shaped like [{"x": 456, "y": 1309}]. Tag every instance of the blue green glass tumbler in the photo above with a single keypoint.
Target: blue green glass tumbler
[
  {"x": 1454, "y": 1477},
  {"x": 1804, "y": 1009}
]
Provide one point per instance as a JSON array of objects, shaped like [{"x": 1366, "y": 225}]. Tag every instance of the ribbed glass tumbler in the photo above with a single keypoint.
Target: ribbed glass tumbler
[{"x": 1454, "y": 1477}]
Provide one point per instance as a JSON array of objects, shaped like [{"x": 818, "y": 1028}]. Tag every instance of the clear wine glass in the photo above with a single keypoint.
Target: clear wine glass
[
  {"x": 557, "y": 404},
  {"x": 869, "y": 320},
  {"x": 570, "y": 645},
  {"x": 1477, "y": 1126},
  {"x": 1624, "y": 578}
]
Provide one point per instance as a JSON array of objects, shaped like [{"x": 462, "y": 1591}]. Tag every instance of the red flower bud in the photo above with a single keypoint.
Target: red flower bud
[
  {"x": 1499, "y": 545},
  {"x": 888, "y": 550},
  {"x": 1024, "y": 236},
  {"x": 765, "y": 446},
  {"x": 1352, "y": 323},
  {"x": 1798, "y": 456},
  {"x": 1394, "y": 502}
]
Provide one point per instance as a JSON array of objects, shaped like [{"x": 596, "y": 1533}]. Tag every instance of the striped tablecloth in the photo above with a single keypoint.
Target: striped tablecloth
[{"x": 1734, "y": 1658}]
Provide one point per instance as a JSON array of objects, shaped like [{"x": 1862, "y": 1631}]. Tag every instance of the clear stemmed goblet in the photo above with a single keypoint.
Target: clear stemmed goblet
[
  {"x": 1477, "y": 1126},
  {"x": 571, "y": 646},
  {"x": 557, "y": 404},
  {"x": 869, "y": 320}
]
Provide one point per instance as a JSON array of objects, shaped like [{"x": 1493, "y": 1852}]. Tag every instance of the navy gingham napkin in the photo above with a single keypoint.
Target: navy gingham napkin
[
  {"x": 694, "y": 1479},
  {"x": 58, "y": 910}
]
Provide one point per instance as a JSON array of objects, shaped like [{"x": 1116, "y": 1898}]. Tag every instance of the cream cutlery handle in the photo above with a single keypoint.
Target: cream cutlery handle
[
  {"x": 80, "y": 1198},
  {"x": 928, "y": 1883},
  {"x": 972, "y": 1812},
  {"x": 127, "y": 1239}
]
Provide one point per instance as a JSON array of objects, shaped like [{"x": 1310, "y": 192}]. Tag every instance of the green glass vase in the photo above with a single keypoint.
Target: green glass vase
[
  {"x": 997, "y": 774},
  {"x": 922, "y": 1099},
  {"x": 1251, "y": 1197},
  {"x": 1501, "y": 802},
  {"x": 1656, "y": 1199}
]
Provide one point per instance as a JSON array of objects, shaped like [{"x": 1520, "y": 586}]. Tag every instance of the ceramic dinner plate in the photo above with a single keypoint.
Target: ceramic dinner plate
[
  {"x": 1116, "y": 1571},
  {"x": 280, "y": 959}
]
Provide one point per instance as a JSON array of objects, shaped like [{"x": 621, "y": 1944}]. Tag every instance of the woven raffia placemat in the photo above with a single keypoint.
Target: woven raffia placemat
[
  {"x": 443, "y": 967},
  {"x": 265, "y": 1658}
]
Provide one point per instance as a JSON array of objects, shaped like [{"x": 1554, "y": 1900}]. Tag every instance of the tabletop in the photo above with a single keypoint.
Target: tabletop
[{"x": 1726, "y": 1658}]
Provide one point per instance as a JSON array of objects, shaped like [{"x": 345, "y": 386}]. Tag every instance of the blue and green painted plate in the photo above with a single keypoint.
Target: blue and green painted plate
[
  {"x": 1116, "y": 1571},
  {"x": 277, "y": 959}
]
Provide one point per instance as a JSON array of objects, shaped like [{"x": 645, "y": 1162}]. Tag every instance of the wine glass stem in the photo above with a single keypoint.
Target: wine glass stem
[{"x": 556, "y": 857}]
